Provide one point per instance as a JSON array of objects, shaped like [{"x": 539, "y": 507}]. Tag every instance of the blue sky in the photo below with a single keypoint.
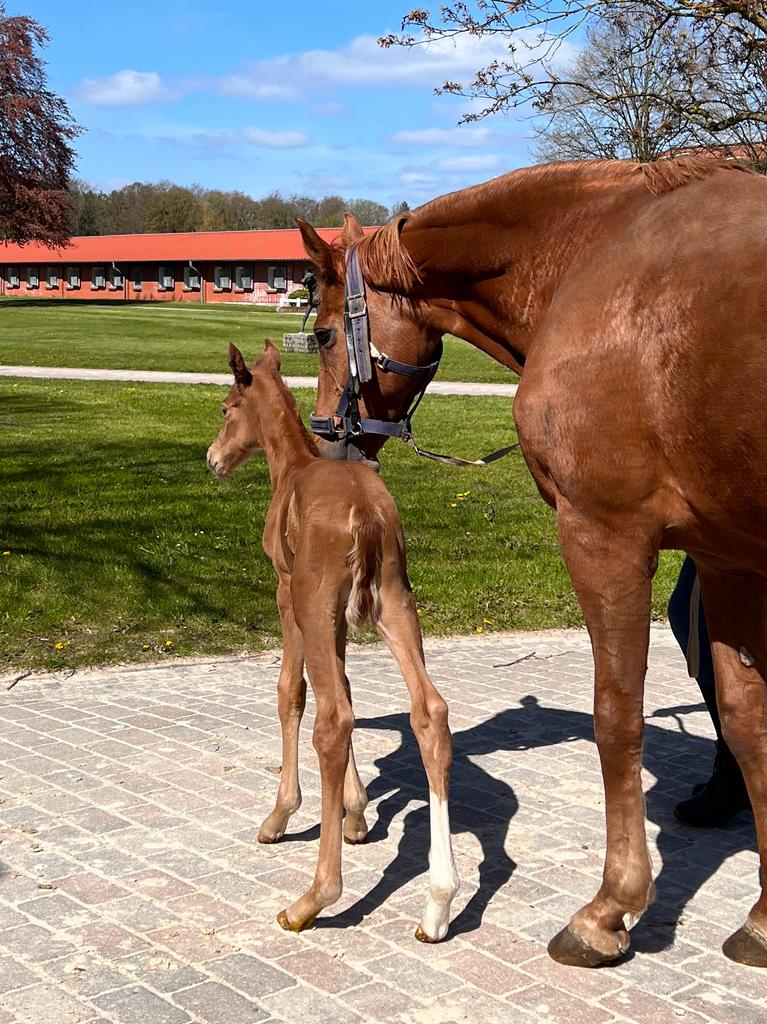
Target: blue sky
[{"x": 262, "y": 96}]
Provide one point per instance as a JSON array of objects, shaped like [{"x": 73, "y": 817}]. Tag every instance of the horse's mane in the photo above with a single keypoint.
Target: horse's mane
[
  {"x": 385, "y": 262},
  {"x": 387, "y": 265},
  {"x": 665, "y": 175}
]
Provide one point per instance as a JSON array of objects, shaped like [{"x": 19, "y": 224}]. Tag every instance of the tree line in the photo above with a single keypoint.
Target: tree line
[{"x": 164, "y": 206}]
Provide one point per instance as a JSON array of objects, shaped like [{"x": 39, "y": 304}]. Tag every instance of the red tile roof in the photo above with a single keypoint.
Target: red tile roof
[{"x": 179, "y": 246}]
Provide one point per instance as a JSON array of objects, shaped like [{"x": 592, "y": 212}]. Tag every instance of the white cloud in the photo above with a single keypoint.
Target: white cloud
[
  {"x": 265, "y": 92},
  {"x": 257, "y": 137},
  {"x": 461, "y": 164},
  {"x": 445, "y": 138},
  {"x": 124, "y": 89}
]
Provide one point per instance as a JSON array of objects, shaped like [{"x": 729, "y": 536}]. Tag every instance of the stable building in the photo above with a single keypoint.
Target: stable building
[{"x": 262, "y": 267}]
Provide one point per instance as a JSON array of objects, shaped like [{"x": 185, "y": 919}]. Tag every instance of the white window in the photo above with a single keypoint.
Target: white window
[
  {"x": 277, "y": 278},
  {"x": 13, "y": 277},
  {"x": 116, "y": 278},
  {"x": 137, "y": 276},
  {"x": 166, "y": 280},
  {"x": 98, "y": 279},
  {"x": 73, "y": 277},
  {"x": 191, "y": 279},
  {"x": 51, "y": 277},
  {"x": 243, "y": 278},
  {"x": 222, "y": 279},
  {"x": 33, "y": 277}
]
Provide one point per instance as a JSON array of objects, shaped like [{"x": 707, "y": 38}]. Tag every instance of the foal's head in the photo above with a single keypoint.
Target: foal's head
[{"x": 240, "y": 435}]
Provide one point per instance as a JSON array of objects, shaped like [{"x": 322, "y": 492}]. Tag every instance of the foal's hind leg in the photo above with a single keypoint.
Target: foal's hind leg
[
  {"x": 332, "y": 738},
  {"x": 291, "y": 701},
  {"x": 736, "y": 614},
  {"x": 612, "y": 573},
  {"x": 399, "y": 626}
]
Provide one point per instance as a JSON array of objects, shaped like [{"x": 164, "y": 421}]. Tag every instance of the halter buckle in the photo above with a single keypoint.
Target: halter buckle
[{"x": 356, "y": 306}]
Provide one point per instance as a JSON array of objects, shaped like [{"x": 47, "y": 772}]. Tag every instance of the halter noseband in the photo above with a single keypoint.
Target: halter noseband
[{"x": 347, "y": 422}]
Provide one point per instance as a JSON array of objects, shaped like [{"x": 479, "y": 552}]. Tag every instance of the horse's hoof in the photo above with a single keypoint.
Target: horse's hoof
[
  {"x": 356, "y": 838},
  {"x": 567, "y": 947},
  {"x": 747, "y": 946},
  {"x": 288, "y": 926},
  {"x": 421, "y": 935}
]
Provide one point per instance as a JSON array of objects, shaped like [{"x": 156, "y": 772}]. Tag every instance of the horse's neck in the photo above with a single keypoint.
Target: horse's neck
[
  {"x": 495, "y": 253},
  {"x": 287, "y": 445}
]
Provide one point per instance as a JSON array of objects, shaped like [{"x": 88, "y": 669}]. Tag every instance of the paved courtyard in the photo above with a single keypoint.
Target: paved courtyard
[{"x": 132, "y": 888}]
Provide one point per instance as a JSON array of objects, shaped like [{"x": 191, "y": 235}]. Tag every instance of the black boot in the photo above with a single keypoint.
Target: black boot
[{"x": 714, "y": 802}]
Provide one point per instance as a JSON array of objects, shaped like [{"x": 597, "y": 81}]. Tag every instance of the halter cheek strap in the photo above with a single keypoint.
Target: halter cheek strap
[{"x": 363, "y": 357}]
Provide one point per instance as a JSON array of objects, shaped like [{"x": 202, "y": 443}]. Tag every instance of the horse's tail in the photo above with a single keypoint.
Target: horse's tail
[{"x": 366, "y": 525}]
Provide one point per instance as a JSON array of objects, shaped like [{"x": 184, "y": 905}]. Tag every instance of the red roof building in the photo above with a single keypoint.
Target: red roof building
[{"x": 261, "y": 267}]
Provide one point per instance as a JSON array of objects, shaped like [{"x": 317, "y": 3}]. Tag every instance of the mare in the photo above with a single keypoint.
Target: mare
[
  {"x": 632, "y": 301},
  {"x": 335, "y": 540}
]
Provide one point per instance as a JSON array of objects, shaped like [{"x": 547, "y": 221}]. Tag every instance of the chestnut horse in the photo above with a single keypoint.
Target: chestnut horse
[
  {"x": 335, "y": 540},
  {"x": 632, "y": 300}
]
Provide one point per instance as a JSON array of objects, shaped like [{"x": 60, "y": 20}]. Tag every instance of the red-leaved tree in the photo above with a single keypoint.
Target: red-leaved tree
[{"x": 36, "y": 129}]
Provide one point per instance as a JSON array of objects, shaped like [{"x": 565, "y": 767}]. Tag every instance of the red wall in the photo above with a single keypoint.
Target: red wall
[{"x": 150, "y": 290}]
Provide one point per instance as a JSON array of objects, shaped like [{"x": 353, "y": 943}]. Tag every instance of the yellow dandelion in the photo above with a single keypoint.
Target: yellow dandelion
[
  {"x": 61, "y": 645},
  {"x": 168, "y": 644},
  {"x": 145, "y": 647},
  {"x": 479, "y": 629},
  {"x": 6, "y": 554},
  {"x": 453, "y": 504}
]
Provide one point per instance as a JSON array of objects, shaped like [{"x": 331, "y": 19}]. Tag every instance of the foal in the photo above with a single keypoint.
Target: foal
[{"x": 335, "y": 540}]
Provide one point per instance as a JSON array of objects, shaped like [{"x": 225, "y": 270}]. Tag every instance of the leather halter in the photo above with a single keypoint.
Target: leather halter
[
  {"x": 347, "y": 423},
  {"x": 363, "y": 357}
]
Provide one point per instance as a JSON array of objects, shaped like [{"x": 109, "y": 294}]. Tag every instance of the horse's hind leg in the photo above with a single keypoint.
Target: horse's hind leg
[
  {"x": 398, "y": 625},
  {"x": 736, "y": 614},
  {"x": 291, "y": 701},
  {"x": 612, "y": 574},
  {"x": 332, "y": 738}
]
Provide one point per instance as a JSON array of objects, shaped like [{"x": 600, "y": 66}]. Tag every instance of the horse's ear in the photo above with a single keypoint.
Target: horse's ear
[
  {"x": 317, "y": 249},
  {"x": 271, "y": 355},
  {"x": 243, "y": 378},
  {"x": 352, "y": 231}
]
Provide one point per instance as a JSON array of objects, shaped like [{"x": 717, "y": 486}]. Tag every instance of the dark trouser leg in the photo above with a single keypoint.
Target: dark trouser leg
[
  {"x": 713, "y": 803},
  {"x": 681, "y": 617}
]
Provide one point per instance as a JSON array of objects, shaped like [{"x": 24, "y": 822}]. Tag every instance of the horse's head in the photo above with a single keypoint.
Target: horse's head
[
  {"x": 399, "y": 328},
  {"x": 240, "y": 433}
]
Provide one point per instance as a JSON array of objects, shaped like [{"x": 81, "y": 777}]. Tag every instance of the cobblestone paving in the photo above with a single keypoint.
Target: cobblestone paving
[{"x": 132, "y": 888}]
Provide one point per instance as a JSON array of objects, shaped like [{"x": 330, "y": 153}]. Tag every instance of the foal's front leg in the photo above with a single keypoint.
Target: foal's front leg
[
  {"x": 332, "y": 740},
  {"x": 291, "y": 701},
  {"x": 612, "y": 575}
]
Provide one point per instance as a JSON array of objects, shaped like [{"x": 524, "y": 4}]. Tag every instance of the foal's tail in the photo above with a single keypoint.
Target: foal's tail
[{"x": 366, "y": 526}]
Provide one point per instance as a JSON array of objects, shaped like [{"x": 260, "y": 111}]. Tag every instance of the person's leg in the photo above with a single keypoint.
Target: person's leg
[{"x": 716, "y": 801}]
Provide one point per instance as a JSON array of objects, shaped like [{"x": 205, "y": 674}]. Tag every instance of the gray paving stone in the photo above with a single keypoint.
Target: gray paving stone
[{"x": 171, "y": 916}]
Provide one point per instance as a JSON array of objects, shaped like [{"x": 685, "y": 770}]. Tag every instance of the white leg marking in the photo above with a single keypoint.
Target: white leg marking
[{"x": 443, "y": 876}]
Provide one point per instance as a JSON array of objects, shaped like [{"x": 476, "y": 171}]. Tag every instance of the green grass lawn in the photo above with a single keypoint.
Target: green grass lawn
[
  {"x": 174, "y": 336},
  {"x": 119, "y": 546}
]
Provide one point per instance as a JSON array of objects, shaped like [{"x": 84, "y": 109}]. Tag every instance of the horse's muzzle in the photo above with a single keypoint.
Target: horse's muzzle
[{"x": 344, "y": 450}]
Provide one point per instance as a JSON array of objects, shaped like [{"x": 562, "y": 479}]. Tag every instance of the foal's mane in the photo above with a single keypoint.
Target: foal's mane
[
  {"x": 387, "y": 265},
  {"x": 282, "y": 393}
]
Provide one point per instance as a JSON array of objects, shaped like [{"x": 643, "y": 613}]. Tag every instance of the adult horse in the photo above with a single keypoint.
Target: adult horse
[{"x": 632, "y": 300}]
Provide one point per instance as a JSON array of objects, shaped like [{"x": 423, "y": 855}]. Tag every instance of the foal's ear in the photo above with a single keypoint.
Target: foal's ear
[
  {"x": 352, "y": 231},
  {"x": 271, "y": 356},
  {"x": 243, "y": 378},
  {"x": 317, "y": 249}
]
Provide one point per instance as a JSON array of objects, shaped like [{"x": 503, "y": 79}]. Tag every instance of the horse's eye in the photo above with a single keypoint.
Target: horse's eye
[{"x": 325, "y": 336}]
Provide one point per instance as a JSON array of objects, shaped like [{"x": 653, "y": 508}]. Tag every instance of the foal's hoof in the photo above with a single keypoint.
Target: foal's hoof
[
  {"x": 421, "y": 935},
  {"x": 567, "y": 947},
  {"x": 288, "y": 926},
  {"x": 356, "y": 838},
  {"x": 269, "y": 837},
  {"x": 747, "y": 946}
]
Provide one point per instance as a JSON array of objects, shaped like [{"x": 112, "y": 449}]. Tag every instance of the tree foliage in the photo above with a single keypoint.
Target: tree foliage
[
  {"x": 36, "y": 129},
  {"x": 719, "y": 67},
  {"x": 163, "y": 206},
  {"x": 607, "y": 108}
]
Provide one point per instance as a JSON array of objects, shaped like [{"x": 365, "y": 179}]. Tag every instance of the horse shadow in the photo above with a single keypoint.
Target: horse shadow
[{"x": 485, "y": 806}]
